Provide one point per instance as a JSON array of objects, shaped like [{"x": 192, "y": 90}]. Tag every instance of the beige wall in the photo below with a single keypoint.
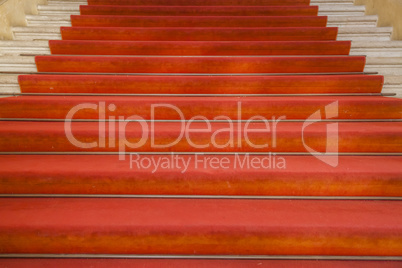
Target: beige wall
[
  {"x": 389, "y": 14},
  {"x": 12, "y": 13}
]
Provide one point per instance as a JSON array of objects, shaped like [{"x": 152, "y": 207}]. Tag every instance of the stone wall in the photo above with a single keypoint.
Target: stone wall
[
  {"x": 12, "y": 13},
  {"x": 389, "y": 13}
]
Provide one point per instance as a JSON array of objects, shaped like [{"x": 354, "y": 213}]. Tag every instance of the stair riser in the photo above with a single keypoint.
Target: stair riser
[
  {"x": 196, "y": 137},
  {"x": 199, "y": 34},
  {"x": 201, "y": 2},
  {"x": 194, "y": 21},
  {"x": 199, "y": 48},
  {"x": 200, "y": 65},
  {"x": 276, "y": 176},
  {"x": 200, "y": 227},
  {"x": 156, "y": 263},
  {"x": 200, "y": 11},
  {"x": 258, "y": 243},
  {"x": 179, "y": 108},
  {"x": 201, "y": 84}
]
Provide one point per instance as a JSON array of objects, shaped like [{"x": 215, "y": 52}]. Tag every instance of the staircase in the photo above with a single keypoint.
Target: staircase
[{"x": 231, "y": 133}]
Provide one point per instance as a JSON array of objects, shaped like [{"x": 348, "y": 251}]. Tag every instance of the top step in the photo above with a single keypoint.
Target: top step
[
  {"x": 200, "y": 11},
  {"x": 201, "y": 2}
]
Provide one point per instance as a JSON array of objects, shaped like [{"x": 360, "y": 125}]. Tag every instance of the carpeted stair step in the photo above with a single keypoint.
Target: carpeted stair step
[
  {"x": 185, "y": 108},
  {"x": 88, "y": 64},
  {"x": 146, "y": 136},
  {"x": 199, "y": 263},
  {"x": 200, "y": 34},
  {"x": 197, "y": 21},
  {"x": 118, "y": 84},
  {"x": 364, "y": 176},
  {"x": 200, "y": 11},
  {"x": 199, "y": 48},
  {"x": 200, "y": 227},
  {"x": 201, "y": 2}
]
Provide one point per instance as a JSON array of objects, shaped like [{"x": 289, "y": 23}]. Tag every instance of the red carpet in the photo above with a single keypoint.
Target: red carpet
[
  {"x": 200, "y": 10},
  {"x": 199, "y": 48},
  {"x": 155, "y": 263},
  {"x": 201, "y": 2},
  {"x": 192, "y": 61},
  {"x": 247, "y": 84},
  {"x": 381, "y": 137},
  {"x": 208, "y": 107},
  {"x": 197, "y": 21},
  {"x": 104, "y": 174},
  {"x": 254, "y": 227},
  {"x": 206, "y": 65},
  {"x": 199, "y": 34}
]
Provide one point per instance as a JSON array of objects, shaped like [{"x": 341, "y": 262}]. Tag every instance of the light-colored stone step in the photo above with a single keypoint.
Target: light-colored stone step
[
  {"x": 9, "y": 90},
  {"x": 378, "y": 45},
  {"x": 37, "y": 36},
  {"x": 14, "y": 43},
  {"x": 45, "y": 24},
  {"x": 9, "y": 83},
  {"x": 384, "y": 69},
  {"x": 17, "y": 64},
  {"x": 17, "y": 60},
  {"x": 46, "y": 12},
  {"x": 384, "y": 61},
  {"x": 17, "y": 68},
  {"x": 393, "y": 80},
  {"x": 25, "y": 50},
  {"x": 67, "y": 2},
  {"x": 48, "y": 18},
  {"x": 385, "y": 65},
  {"x": 8, "y": 79},
  {"x": 393, "y": 89},
  {"x": 365, "y": 34},
  {"x": 59, "y": 8},
  {"x": 35, "y": 30},
  {"x": 37, "y": 33},
  {"x": 377, "y": 52},
  {"x": 320, "y": 1},
  {"x": 44, "y": 21},
  {"x": 377, "y": 48},
  {"x": 352, "y": 21},
  {"x": 24, "y": 47}
]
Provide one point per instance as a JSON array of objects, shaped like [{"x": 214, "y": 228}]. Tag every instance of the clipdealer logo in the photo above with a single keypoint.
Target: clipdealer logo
[
  {"x": 113, "y": 134},
  {"x": 331, "y": 154},
  {"x": 199, "y": 161}
]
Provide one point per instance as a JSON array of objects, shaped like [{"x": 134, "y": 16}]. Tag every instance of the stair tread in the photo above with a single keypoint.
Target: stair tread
[
  {"x": 57, "y": 107},
  {"x": 200, "y": 2},
  {"x": 197, "y": 33},
  {"x": 155, "y": 64},
  {"x": 201, "y": 84},
  {"x": 202, "y": 48},
  {"x": 197, "y": 21},
  {"x": 176, "y": 226},
  {"x": 199, "y": 11},
  {"x": 354, "y": 137},
  {"x": 367, "y": 176},
  {"x": 155, "y": 263}
]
